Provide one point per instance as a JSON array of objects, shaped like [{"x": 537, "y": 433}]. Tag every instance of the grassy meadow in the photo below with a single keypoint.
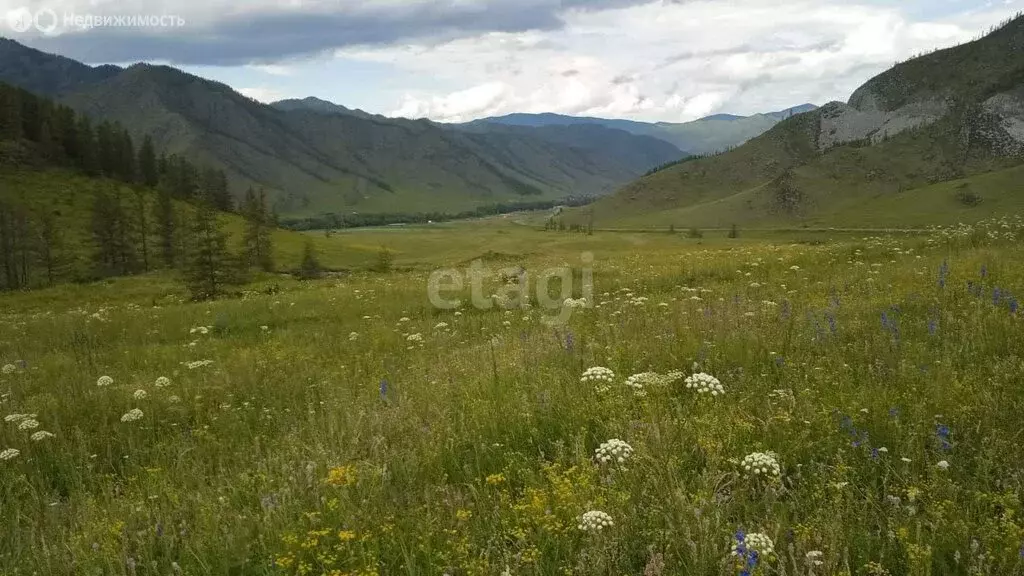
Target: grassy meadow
[{"x": 869, "y": 421}]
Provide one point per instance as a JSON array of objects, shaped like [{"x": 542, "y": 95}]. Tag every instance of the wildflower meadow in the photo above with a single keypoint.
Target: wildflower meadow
[{"x": 848, "y": 404}]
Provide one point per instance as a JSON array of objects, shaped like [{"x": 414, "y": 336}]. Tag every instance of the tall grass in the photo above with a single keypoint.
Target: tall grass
[{"x": 322, "y": 439}]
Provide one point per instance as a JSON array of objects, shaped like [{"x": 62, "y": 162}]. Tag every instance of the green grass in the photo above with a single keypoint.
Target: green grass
[{"x": 321, "y": 439}]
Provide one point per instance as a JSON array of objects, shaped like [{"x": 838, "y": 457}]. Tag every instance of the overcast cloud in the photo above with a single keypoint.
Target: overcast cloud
[{"x": 455, "y": 60}]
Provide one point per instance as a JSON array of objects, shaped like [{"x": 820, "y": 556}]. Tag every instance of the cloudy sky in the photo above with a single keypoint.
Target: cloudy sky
[{"x": 455, "y": 60}]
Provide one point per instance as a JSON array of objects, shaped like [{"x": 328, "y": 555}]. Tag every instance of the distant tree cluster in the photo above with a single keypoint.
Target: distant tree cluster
[
  {"x": 333, "y": 221},
  {"x": 147, "y": 210}
]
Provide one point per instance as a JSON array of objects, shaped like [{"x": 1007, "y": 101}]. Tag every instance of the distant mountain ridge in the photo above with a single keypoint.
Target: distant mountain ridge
[
  {"x": 317, "y": 157},
  {"x": 314, "y": 104},
  {"x": 703, "y": 136}
]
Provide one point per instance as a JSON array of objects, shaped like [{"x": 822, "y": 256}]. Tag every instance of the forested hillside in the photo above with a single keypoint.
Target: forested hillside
[{"x": 80, "y": 200}]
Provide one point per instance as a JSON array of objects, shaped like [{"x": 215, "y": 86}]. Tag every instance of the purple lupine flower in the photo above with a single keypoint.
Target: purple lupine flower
[
  {"x": 383, "y": 388},
  {"x": 942, "y": 433}
]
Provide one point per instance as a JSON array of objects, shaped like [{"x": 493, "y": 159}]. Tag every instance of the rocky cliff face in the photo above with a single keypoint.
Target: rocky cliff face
[{"x": 998, "y": 121}]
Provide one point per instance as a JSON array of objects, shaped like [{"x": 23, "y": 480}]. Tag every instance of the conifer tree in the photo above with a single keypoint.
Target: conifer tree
[
  {"x": 148, "y": 174},
  {"x": 10, "y": 113},
  {"x": 258, "y": 227},
  {"x": 209, "y": 268},
  {"x": 309, "y": 269},
  {"x": 165, "y": 221}
]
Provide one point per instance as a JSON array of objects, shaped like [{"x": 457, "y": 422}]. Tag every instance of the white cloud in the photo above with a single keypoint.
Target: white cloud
[
  {"x": 263, "y": 93},
  {"x": 272, "y": 69},
  {"x": 670, "y": 61}
]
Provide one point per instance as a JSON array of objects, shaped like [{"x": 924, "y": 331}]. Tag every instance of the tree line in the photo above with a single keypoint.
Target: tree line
[
  {"x": 334, "y": 221},
  {"x": 146, "y": 210}
]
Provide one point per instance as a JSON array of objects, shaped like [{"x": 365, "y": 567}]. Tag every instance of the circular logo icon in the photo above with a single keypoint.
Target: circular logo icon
[
  {"x": 20, "y": 19},
  {"x": 46, "y": 20}
]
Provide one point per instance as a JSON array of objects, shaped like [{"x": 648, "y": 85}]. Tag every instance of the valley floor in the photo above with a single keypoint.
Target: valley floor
[{"x": 868, "y": 420}]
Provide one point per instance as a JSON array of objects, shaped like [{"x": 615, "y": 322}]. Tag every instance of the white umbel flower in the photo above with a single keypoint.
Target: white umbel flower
[
  {"x": 41, "y": 435},
  {"x": 578, "y": 303},
  {"x": 9, "y": 453},
  {"x": 757, "y": 542},
  {"x": 163, "y": 382},
  {"x": 28, "y": 424},
  {"x": 595, "y": 521},
  {"x": 597, "y": 374},
  {"x": 704, "y": 384},
  {"x": 639, "y": 382},
  {"x": 942, "y": 465},
  {"x": 761, "y": 464},
  {"x": 15, "y": 418},
  {"x": 9, "y": 369},
  {"x": 140, "y": 394},
  {"x": 614, "y": 451},
  {"x": 353, "y": 336},
  {"x": 813, "y": 558},
  {"x": 104, "y": 381},
  {"x": 132, "y": 415}
]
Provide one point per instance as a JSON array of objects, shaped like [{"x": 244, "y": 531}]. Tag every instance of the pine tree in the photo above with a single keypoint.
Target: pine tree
[
  {"x": 210, "y": 268},
  {"x": 214, "y": 184},
  {"x": 165, "y": 220},
  {"x": 50, "y": 246},
  {"x": 148, "y": 173},
  {"x": 142, "y": 228},
  {"x": 310, "y": 267},
  {"x": 257, "y": 237},
  {"x": 125, "y": 157},
  {"x": 8, "y": 244},
  {"x": 88, "y": 159},
  {"x": 113, "y": 235},
  {"x": 10, "y": 113},
  {"x": 106, "y": 150}
]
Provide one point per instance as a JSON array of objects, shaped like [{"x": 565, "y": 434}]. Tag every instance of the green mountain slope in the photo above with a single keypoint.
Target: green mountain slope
[
  {"x": 828, "y": 164},
  {"x": 315, "y": 160},
  {"x": 46, "y": 74}
]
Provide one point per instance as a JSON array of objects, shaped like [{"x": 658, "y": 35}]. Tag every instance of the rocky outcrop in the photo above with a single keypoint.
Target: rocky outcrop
[
  {"x": 1008, "y": 109},
  {"x": 842, "y": 123}
]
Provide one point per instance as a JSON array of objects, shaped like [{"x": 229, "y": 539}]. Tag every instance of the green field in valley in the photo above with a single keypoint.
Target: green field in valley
[{"x": 868, "y": 421}]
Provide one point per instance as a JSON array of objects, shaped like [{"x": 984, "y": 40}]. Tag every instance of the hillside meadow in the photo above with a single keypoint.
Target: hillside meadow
[{"x": 793, "y": 403}]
